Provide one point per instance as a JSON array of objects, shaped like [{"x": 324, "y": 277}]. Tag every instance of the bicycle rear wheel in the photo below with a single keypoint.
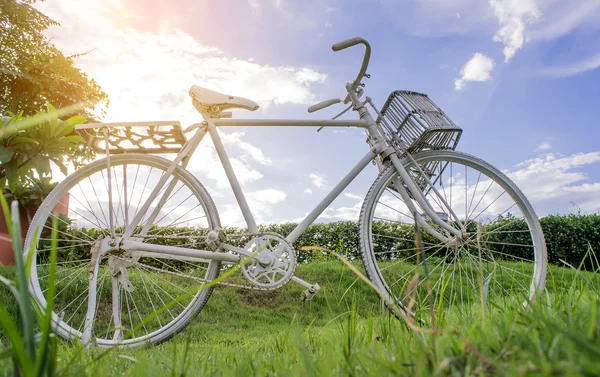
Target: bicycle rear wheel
[
  {"x": 140, "y": 298},
  {"x": 502, "y": 261}
]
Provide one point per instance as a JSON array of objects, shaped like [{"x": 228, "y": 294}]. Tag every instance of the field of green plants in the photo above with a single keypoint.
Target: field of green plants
[{"x": 345, "y": 330}]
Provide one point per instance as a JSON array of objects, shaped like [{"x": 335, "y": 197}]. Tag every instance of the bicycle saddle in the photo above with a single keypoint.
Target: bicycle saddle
[{"x": 208, "y": 98}]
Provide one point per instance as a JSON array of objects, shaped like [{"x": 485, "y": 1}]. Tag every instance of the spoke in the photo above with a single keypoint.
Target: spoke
[
  {"x": 168, "y": 282},
  {"x": 442, "y": 275},
  {"x": 152, "y": 285},
  {"x": 183, "y": 221},
  {"x": 83, "y": 301},
  {"x": 507, "y": 231},
  {"x": 142, "y": 192},
  {"x": 489, "y": 205},
  {"x": 159, "y": 195},
  {"x": 65, "y": 262},
  {"x": 416, "y": 266},
  {"x": 70, "y": 246},
  {"x": 97, "y": 200},
  {"x": 89, "y": 208},
  {"x": 466, "y": 195},
  {"x": 139, "y": 314},
  {"x": 150, "y": 300},
  {"x": 128, "y": 311},
  {"x": 72, "y": 301},
  {"x": 180, "y": 217},
  {"x": 70, "y": 235},
  {"x": 76, "y": 273},
  {"x": 41, "y": 277},
  {"x": 121, "y": 192},
  {"x": 480, "y": 199},
  {"x": 473, "y": 196},
  {"x": 394, "y": 209},
  {"x": 390, "y": 220},
  {"x": 402, "y": 239},
  {"x": 410, "y": 256},
  {"x": 507, "y": 243}
]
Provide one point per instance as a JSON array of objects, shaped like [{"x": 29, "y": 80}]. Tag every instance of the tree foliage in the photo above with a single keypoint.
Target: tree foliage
[{"x": 33, "y": 72}]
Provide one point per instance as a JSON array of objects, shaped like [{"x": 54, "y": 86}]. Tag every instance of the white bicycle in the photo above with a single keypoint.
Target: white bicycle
[{"x": 138, "y": 232}]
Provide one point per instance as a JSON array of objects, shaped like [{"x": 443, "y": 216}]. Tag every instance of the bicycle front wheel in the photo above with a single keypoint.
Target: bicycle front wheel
[
  {"x": 501, "y": 261},
  {"x": 140, "y": 298}
]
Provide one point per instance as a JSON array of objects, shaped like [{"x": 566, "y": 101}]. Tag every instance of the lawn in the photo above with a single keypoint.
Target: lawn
[{"x": 344, "y": 330}]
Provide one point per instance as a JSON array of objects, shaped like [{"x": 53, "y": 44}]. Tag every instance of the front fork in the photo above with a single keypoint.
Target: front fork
[{"x": 453, "y": 236}]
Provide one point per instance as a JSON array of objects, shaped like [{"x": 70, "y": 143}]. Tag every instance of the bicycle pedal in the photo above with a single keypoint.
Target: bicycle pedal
[{"x": 309, "y": 293}]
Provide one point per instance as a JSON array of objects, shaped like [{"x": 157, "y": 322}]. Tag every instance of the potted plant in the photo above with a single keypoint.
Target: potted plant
[{"x": 29, "y": 148}]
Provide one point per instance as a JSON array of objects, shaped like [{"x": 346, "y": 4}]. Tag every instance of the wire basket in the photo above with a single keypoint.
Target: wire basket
[
  {"x": 417, "y": 122},
  {"x": 413, "y": 123}
]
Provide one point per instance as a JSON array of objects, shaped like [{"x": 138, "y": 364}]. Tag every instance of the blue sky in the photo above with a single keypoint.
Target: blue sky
[{"x": 521, "y": 77}]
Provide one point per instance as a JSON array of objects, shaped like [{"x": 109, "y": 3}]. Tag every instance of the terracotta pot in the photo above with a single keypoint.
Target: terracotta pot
[{"x": 7, "y": 255}]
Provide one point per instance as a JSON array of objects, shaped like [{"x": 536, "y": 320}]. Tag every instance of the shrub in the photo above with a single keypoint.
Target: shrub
[{"x": 568, "y": 238}]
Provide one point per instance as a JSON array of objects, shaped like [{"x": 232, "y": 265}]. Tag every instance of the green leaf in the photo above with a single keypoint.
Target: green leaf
[
  {"x": 74, "y": 139},
  {"x": 62, "y": 167},
  {"x": 68, "y": 126},
  {"x": 9, "y": 131},
  {"x": 17, "y": 342},
  {"x": 10, "y": 168},
  {"x": 23, "y": 140},
  {"x": 54, "y": 121},
  {"x": 64, "y": 129},
  {"x": 47, "y": 352},
  {"x": 6, "y": 154},
  {"x": 42, "y": 165}
]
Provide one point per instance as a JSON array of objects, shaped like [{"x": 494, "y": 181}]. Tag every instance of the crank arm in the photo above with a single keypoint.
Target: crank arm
[{"x": 311, "y": 289}]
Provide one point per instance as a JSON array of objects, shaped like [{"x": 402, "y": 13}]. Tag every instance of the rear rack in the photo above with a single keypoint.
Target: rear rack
[{"x": 134, "y": 137}]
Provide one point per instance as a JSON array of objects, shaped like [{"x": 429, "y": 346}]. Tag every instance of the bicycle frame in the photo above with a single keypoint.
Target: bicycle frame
[{"x": 210, "y": 126}]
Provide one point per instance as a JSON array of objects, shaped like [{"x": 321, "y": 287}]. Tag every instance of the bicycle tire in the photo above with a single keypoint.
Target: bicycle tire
[
  {"x": 390, "y": 267},
  {"x": 92, "y": 180}
]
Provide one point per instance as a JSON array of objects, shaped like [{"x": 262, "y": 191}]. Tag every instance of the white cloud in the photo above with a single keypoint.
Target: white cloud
[
  {"x": 235, "y": 138},
  {"x": 562, "y": 17},
  {"x": 254, "y": 3},
  {"x": 317, "y": 180},
  {"x": 576, "y": 68},
  {"x": 514, "y": 16},
  {"x": 478, "y": 68},
  {"x": 344, "y": 213},
  {"x": 558, "y": 179},
  {"x": 307, "y": 192},
  {"x": 353, "y": 196},
  {"x": 148, "y": 74},
  {"x": 205, "y": 163},
  {"x": 261, "y": 203},
  {"x": 544, "y": 146}
]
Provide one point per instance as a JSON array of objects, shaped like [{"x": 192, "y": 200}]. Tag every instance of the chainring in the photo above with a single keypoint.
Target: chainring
[{"x": 274, "y": 263}]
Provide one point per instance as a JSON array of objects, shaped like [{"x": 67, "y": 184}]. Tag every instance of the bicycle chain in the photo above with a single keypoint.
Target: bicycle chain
[
  {"x": 252, "y": 287},
  {"x": 242, "y": 286}
]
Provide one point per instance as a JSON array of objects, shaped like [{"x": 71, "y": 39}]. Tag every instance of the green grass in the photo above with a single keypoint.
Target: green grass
[{"x": 345, "y": 331}]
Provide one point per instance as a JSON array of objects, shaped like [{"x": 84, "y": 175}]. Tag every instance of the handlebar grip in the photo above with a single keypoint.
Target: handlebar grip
[
  {"x": 347, "y": 43},
  {"x": 324, "y": 104}
]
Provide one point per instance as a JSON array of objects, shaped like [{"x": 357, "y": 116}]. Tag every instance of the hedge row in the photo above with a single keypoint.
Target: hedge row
[{"x": 568, "y": 238}]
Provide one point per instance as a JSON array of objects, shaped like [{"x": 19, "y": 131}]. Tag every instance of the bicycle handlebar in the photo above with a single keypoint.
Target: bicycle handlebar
[
  {"x": 324, "y": 104},
  {"x": 363, "y": 69}
]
